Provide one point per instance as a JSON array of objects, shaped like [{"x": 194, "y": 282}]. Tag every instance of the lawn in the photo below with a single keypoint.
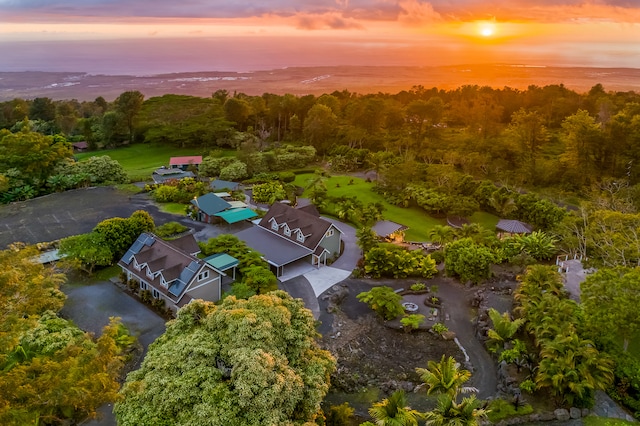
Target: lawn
[
  {"x": 415, "y": 218},
  {"x": 173, "y": 208},
  {"x": 140, "y": 160}
]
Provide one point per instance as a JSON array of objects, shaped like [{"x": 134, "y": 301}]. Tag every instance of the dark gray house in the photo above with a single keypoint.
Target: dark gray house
[
  {"x": 171, "y": 270},
  {"x": 286, "y": 235}
]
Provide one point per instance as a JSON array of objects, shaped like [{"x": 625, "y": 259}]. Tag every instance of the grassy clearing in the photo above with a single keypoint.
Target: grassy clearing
[
  {"x": 140, "y": 160},
  {"x": 487, "y": 220},
  {"x": 416, "y": 219},
  {"x": 173, "y": 208},
  {"x": 76, "y": 278}
]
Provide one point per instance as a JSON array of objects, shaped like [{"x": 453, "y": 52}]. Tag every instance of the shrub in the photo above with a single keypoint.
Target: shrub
[
  {"x": 528, "y": 386},
  {"x": 439, "y": 328},
  {"x": 412, "y": 322},
  {"x": 340, "y": 415},
  {"x": 170, "y": 228},
  {"x": 418, "y": 286},
  {"x": 384, "y": 301},
  {"x": 287, "y": 177},
  {"x": 499, "y": 409}
]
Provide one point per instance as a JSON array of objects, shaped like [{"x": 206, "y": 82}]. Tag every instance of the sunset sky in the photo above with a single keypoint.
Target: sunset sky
[{"x": 151, "y": 36}]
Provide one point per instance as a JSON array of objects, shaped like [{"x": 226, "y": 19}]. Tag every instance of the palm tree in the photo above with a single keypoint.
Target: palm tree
[
  {"x": 504, "y": 328},
  {"x": 441, "y": 234},
  {"x": 445, "y": 377},
  {"x": 394, "y": 411},
  {"x": 448, "y": 412},
  {"x": 573, "y": 369}
]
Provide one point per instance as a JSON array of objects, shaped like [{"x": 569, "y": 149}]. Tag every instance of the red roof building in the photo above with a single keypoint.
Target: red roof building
[{"x": 184, "y": 162}]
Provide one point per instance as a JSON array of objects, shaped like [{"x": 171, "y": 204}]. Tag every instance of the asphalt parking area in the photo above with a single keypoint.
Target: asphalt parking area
[{"x": 61, "y": 215}]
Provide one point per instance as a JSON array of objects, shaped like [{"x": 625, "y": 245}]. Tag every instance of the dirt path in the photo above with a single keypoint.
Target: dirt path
[{"x": 457, "y": 308}]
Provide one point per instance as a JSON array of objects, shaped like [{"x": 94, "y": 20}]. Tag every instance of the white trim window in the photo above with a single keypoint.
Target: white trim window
[
  {"x": 274, "y": 225},
  {"x": 300, "y": 237},
  {"x": 203, "y": 275},
  {"x": 329, "y": 233},
  {"x": 155, "y": 293},
  {"x": 143, "y": 285},
  {"x": 287, "y": 231}
]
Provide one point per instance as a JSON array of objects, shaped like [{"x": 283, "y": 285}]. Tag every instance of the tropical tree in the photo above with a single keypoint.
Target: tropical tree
[
  {"x": 445, "y": 376},
  {"x": 468, "y": 260},
  {"x": 450, "y": 413},
  {"x": 529, "y": 133},
  {"x": 367, "y": 239},
  {"x": 607, "y": 288},
  {"x": 441, "y": 234},
  {"x": 504, "y": 328},
  {"x": 242, "y": 362},
  {"x": 128, "y": 105},
  {"x": 573, "y": 369},
  {"x": 393, "y": 411},
  {"x": 51, "y": 372}
]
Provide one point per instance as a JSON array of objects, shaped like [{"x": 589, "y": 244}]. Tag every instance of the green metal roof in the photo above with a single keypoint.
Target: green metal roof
[
  {"x": 222, "y": 261},
  {"x": 210, "y": 203},
  {"x": 236, "y": 215}
]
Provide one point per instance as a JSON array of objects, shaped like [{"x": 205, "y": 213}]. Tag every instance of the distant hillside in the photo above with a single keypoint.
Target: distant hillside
[{"x": 312, "y": 80}]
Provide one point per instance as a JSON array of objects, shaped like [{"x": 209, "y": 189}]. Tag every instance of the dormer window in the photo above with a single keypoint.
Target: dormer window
[
  {"x": 300, "y": 237},
  {"x": 274, "y": 225},
  {"x": 287, "y": 231}
]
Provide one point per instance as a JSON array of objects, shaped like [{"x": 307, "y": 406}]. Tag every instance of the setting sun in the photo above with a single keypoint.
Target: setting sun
[{"x": 487, "y": 29}]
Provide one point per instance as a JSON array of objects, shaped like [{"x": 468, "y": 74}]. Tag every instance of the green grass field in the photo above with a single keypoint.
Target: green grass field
[
  {"x": 140, "y": 160},
  {"x": 415, "y": 218}
]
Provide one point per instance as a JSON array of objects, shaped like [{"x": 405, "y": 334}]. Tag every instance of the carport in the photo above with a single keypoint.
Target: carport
[{"x": 236, "y": 215}]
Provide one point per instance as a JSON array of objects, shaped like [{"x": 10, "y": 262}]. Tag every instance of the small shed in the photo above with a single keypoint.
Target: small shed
[
  {"x": 511, "y": 226},
  {"x": 163, "y": 174},
  {"x": 389, "y": 230},
  {"x": 220, "y": 185},
  {"x": 80, "y": 146}
]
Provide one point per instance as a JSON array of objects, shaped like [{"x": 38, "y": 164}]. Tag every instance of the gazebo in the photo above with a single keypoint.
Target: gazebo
[
  {"x": 511, "y": 226},
  {"x": 389, "y": 230}
]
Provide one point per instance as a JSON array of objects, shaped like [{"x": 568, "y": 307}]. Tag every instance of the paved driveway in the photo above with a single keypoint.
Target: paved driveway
[{"x": 90, "y": 306}]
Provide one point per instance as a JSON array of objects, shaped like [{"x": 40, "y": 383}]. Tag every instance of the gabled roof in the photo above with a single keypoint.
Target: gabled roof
[
  {"x": 218, "y": 185},
  {"x": 384, "y": 228},
  {"x": 312, "y": 227},
  {"x": 187, "y": 243},
  {"x": 311, "y": 209},
  {"x": 80, "y": 145},
  {"x": 164, "y": 260},
  {"x": 210, "y": 203},
  {"x": 180, "y": 161},
  {"x": 277, "y": 250},
  {"x": 513, "y": 226},
  {"x": 163, "y": 175}
]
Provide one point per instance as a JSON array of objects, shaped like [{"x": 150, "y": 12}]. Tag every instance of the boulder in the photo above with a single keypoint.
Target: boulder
[
  {"x": 575, "y": 413},
  {"x": 562, "y": 414}
]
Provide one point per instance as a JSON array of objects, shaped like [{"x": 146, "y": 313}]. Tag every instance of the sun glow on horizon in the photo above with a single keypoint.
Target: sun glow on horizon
[{"x": 486, "y": 29}]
